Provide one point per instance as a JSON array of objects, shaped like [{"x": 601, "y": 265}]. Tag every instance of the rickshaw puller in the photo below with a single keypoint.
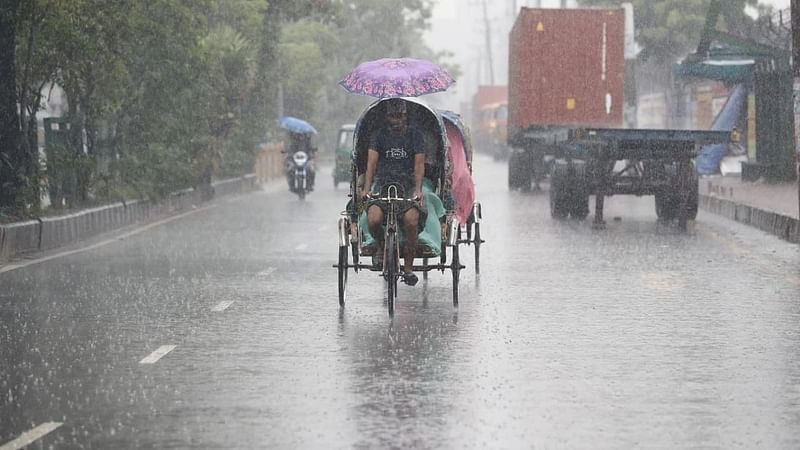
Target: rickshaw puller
[{"x": 396, "y": 155}]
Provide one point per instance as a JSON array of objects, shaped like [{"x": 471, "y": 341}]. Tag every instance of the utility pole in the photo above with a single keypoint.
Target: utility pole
[
  {"x": 796, "y": 90},
  {"x": 488, "y": 36}
]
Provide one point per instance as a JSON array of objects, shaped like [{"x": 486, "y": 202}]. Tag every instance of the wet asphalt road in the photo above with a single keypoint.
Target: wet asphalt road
[{"x": 221, "y": 329}]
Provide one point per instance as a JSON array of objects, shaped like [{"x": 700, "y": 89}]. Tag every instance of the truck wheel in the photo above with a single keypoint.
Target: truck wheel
[
  {"x": 517, "y": 171},
  {"x": 693, "y": 198},
  {"x": 666, "y": 206},
  {"x": 512, "y": 179},
  {"x": 579, "y": 207},
  {"x": 559, "y": 197},
  {"x": 579, "y": 192}
]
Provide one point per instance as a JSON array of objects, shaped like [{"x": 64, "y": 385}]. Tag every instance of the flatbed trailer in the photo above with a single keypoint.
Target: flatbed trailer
[{"x": 654, "y": 162}]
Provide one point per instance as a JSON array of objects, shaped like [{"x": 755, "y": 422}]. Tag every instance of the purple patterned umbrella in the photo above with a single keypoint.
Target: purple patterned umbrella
[{"x": 397, "y": 77}]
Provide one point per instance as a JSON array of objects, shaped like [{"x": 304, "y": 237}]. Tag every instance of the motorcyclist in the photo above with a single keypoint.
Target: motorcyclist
[
  {"x": 396, "y": 155},
  {"x": 300, "y": 142}
]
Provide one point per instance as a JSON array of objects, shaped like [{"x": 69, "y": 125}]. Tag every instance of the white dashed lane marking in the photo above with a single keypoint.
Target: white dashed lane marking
[
  {"x": 301, "y": 247},
  {"x": 222, "y": 306},
  {"x": 158, "y": 354},
  {"x": 31, "y": 436},
  {"x": 267, "y": 272}
]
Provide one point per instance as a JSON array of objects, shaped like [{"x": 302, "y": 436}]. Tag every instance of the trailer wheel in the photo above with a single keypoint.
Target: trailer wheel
[
  {"x": 579, "y": 207},
  {"x": 668, "y": 201},
  {"x": 579, "y": 192},
  {"x": 559, "y": 197},
  {"x": 693, "y": 199},
  {"x": 520, "y": 170},
  {"x": 666, "y": 205},
  {"x": 512, "y": 176}
]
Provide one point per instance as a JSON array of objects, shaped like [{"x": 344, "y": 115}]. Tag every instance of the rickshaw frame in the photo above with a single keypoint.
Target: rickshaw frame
[{"x": 349, "y": 232}]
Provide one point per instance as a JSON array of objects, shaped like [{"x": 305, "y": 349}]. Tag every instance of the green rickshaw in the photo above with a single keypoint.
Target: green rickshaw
[{"x": 344, "y": 154}]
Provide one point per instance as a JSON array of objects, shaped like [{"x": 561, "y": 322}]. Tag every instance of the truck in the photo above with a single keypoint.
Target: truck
[
  {"x": 566, "y": 104},
  {"x": 489, "y": 120}
]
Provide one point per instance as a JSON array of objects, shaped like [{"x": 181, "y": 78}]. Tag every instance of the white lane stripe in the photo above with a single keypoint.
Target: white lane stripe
[
  {"x": 301, "y": 247},
  {"x": 222, "y": 306},
  {"x": 20, "y": 265},
  {"x": 158, "y": 354},
  {"x": 267, "y": 272},
  {"x": 31, "y": 436}
]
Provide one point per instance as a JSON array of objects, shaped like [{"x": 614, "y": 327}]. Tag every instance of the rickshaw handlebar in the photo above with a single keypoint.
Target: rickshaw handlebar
[
  {"x": 390, "y": 198},
  {"x": 392, "y": 195}
]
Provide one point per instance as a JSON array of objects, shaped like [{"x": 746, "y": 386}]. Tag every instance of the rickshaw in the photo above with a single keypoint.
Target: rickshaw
[
  {"x": 440, "y": 238},
  {"x": 343, "y": 156}
]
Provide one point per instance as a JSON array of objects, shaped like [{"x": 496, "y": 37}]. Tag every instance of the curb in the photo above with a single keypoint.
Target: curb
[
  {"x": 785, "y": 227},
  {"x": 47, "y": 233}
]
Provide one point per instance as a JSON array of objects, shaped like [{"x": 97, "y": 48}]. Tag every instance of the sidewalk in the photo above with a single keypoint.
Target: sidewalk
[{"x": 769, "y": 207}]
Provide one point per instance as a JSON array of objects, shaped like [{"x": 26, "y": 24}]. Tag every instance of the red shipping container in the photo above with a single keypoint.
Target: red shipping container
[{"x": 566, "y": 68}]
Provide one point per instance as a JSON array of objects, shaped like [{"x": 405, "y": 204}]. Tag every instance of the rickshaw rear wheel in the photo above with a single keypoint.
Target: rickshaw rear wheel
[
  {"x": 455, "y": 267},
  {"x": 477, "y": 235},
  {"x": 342, "y": 274},
  {"x": 354, "y": 250}
]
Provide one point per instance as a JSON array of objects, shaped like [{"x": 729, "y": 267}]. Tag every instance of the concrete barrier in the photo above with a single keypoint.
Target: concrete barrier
[
  {"x": 52, "y": 232},
  {"x": 19, "y": 237},
  {"x": 785, "y": 227},
  {"x": 269, "y": 162}
]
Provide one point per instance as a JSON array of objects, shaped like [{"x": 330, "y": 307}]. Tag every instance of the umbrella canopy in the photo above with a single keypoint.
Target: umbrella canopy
[
  {"x": 397, "y": 77},
  {"x": 295, "y": 125}
]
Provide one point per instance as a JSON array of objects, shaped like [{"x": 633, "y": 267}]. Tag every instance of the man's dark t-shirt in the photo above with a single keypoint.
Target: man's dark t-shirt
[{"x": 396, "y": 154}]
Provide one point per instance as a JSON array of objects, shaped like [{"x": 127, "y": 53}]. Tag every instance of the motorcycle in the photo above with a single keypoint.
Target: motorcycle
[{"x": 300, "y": 173}]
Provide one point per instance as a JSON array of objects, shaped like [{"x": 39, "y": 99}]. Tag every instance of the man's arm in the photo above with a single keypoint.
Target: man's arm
[
  {"x": 419, "y": 172},
  {"x": 372, "y": 163}
]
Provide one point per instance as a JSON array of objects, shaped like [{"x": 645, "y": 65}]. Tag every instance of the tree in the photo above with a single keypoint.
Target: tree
[
  {"x": 367, "y": 30},
  {"x": 302, "y": 65},
  {"x": 166, "y": 94},
  {"x": 16, "y": 162},
  {"x": 228, "y": 79},
  {"x": 669, "y": 29}
]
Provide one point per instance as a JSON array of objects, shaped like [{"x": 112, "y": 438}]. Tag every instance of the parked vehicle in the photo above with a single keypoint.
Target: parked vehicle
[
  {"x": 566, "y": 105},
  {"x": 489, "y": 120},
  {"x": 492, "y": 131},
  {"x": 344, "y": 154},
  {"x": 566, "y": 69}
]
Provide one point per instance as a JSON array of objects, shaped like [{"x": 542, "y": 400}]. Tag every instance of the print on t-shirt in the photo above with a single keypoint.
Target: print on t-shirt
[{"x": 396, "y": 154}]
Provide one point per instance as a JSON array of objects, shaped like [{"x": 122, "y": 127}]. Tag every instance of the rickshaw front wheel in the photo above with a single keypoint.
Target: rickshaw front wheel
[
  {"x": 342, "y": 274},
  {"x": 390, "y": 271}
]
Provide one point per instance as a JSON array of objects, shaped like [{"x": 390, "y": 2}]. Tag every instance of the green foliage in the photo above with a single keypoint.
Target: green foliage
[
  {"x": 668, "y": 29},
  {"x": 368, "y": 30},
  {"x": 165, "y": 94},
  {"x": 302, "y": 65}
]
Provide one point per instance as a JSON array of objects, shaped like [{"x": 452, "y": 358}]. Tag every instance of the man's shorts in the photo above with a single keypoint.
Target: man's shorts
[{"x": 402, "y": 208}]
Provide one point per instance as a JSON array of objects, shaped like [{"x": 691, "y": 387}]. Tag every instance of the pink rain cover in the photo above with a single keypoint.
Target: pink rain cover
[{"x": 463, "y": 186}]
